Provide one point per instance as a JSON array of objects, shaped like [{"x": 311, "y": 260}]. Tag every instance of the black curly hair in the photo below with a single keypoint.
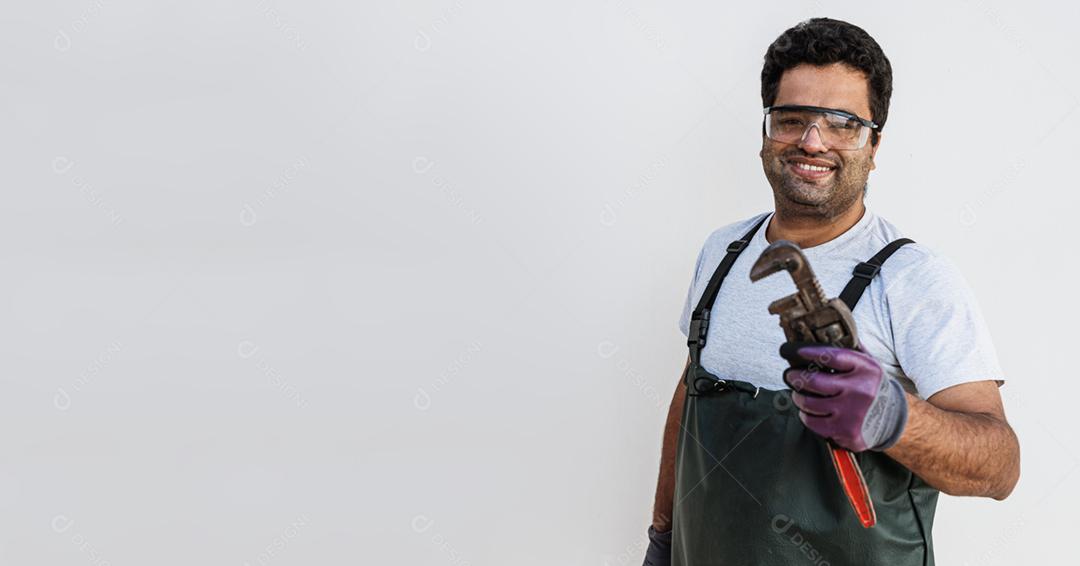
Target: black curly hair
[{"x": 823, "y": 41}]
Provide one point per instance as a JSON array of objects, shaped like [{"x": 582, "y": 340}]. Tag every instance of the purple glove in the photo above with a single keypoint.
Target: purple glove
[{"x": 845, "y": 396}]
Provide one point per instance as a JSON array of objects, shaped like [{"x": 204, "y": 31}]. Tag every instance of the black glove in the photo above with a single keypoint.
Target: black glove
[{"x": 659, "y": 551}]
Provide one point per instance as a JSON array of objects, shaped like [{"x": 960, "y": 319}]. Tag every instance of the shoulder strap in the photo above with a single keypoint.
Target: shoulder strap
[
  {"x": 699, "y": 319},
  {"x": 865, "y": 271}
]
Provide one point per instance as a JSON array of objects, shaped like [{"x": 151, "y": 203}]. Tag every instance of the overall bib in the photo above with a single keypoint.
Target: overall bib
[{"x": 755, "y": 487}]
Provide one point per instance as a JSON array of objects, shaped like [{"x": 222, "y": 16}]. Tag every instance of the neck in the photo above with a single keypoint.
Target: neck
[{"x": 810, "y": 230}]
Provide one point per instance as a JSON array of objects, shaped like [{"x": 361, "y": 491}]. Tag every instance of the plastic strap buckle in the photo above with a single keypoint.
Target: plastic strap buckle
[
  {"x": 699, "y": 327},
  {"x": 866, "y": 270},
  {"x": 736, "y": 246}
]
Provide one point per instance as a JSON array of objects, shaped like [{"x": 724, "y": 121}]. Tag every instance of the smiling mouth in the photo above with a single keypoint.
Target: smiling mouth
[{"x": 810, "y": 172}]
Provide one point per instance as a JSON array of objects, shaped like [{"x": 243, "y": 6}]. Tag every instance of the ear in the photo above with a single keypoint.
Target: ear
[{"x": 873, "y": 150}]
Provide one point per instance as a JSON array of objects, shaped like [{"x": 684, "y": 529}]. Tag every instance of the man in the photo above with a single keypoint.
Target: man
[{"x": 745, "y": 474}]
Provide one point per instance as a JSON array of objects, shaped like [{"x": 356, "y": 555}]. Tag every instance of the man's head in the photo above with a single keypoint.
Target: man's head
[{"x": 829, "y": 64}]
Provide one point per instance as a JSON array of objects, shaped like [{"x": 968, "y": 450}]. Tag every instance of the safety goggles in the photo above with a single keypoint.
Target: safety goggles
[{"x": 837, "y": 129}]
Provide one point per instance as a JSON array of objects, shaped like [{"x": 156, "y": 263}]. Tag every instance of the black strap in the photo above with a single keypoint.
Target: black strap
[
  {"x": 865, "y": 271},
  {"x": 699, "y": 319}
]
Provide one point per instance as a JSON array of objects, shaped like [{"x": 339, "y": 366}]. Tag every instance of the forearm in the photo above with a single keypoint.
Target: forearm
[
  {"x": 663, "y": 506},
  {"x": 959, "y": 453}
]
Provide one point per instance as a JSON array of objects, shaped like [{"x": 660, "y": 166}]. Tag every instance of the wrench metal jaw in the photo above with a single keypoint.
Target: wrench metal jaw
[
  {"x": 831, "y": 324},
  {"x": 808, "y": 315}
]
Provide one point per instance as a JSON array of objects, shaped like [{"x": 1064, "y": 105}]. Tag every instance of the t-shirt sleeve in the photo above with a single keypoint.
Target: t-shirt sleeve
[
  {"x": 939, "y": 335},
  {"x": 684, "y": 320}
]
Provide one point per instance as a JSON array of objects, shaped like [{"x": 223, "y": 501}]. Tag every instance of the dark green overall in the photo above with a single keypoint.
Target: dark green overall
[{"x": 754, "y": 487}]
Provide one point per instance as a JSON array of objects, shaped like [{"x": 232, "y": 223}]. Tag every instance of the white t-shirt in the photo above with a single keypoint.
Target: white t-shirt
[{"x": 918, "y": 317}]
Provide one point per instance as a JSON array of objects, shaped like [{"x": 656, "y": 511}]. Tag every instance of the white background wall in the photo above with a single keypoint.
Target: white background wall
[{"x": 301, "y": 283}]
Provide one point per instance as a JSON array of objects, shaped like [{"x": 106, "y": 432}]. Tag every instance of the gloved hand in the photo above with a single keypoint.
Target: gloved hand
[
  {"x": 856, "y": 405},
  {"x": 659, "y": 551}
]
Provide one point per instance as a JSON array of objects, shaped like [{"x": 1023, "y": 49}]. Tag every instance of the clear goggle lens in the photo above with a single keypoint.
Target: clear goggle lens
[{"x": 837, "y": 130}]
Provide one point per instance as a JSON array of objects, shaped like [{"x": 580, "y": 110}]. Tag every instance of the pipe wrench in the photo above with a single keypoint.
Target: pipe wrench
[{"x": 809, "y": 316}]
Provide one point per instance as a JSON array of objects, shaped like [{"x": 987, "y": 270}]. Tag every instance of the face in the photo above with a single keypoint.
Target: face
[{"x": 819, "y": 193}]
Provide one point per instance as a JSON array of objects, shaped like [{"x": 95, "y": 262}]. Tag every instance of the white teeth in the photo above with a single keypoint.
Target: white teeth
[{"x": 806, "y": 167}]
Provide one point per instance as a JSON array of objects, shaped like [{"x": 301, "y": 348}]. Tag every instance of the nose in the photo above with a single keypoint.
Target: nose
[{"x": 811, "y": 140}]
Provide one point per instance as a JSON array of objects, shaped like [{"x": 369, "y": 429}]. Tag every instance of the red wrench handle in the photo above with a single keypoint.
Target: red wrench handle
[{"x": 851, "y": 479}]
